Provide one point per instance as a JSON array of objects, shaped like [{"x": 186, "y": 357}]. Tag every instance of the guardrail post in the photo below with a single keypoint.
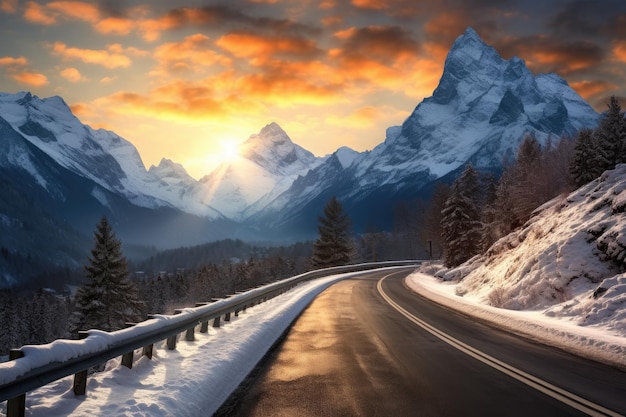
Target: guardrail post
[
  {"x": 227, "y": 316},
  {"x": 16, "y": 407},
  {"x": 127, "y": 359},
  {"x": 171, "y": 341},
  {"x": 204, "y": 325},
  {"x": 189, "y": 335},
  {"x": 147, "y": 351},
  {"x": 216, "y": 321},
  {"x": 80, "y": 378}
]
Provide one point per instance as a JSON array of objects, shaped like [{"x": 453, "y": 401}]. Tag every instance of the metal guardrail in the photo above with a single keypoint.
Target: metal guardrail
[{"x": 97, "y": 347}]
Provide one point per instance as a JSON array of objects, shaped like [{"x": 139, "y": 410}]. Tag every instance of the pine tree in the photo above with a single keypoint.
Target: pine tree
[
  {"x": 585, "y": 167},
  {"x": 460, "y": 222},
  {"x": 108, "y": 300},
  {"x": 334, "y": 246},
  {"x": 611, "y": 135}
]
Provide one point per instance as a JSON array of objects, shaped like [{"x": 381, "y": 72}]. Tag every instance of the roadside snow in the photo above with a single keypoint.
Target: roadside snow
[
  {"x": 193, "y": 380},
  {"x": 600, "y": 342},
  {"x": 558, "y": 279}
]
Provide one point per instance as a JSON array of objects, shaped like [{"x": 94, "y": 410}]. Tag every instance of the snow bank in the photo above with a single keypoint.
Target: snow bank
[
  {"x": 571, "y": 248},
  {"x": 598, "y": 343}
]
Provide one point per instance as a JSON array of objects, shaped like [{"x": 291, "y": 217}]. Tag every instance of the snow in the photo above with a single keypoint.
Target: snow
[{"x": 550, "y": 326}]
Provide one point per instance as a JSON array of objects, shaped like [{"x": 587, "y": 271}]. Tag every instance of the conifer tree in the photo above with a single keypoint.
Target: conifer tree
[
  {"x": 333, "y": 246},
  {"x": 460, "y": 222},
  {"x": 611, "y": 135},
  {"x": 108, "y": 299},
  {"x": 585, "y": 167}
]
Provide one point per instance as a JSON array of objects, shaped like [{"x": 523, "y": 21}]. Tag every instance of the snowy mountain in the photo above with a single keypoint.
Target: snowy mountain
[
  {"x": 266, "y": 165},
  {"x": 482, "y": 108},
  {"x": 67, "y": 174}
]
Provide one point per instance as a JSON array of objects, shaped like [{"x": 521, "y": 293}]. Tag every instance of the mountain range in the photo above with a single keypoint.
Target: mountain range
[{"x": 59, "y": 176}]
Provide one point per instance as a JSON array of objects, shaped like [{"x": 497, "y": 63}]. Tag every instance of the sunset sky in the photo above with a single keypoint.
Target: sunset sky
[{"x": 185, "y": 79}]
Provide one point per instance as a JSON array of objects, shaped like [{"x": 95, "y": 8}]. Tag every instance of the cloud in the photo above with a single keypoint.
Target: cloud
[
  {"x": 54, "y": 11},
  {"x": 619, "y": 51},
  {"x": 32, "y": 79},
  {"x": 16, "y": 70},
  {"x": 193, "y": 53},
  {"x": 384, "y": 43},
  {"x": 76, "y": 10},
  {"x": 111, "y": 58},
  {"x": 72, "y": 75},
  {"x": 115, "y": 26},
  {"x": 11, "y": 62},
  {"x": 8, "y": 6},
  {"x": 261, "y": 48},
  {"x": 36, "y": 13},
  {"x": 588, "y": 89},
  {"x": 219, "y": 16},
  {"x": 371, "y": 4},
  {"x": 545, "y": 54}
]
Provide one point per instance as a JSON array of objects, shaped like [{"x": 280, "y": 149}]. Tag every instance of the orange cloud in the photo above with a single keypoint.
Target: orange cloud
[
  {"x": 36, "y": 13},
  {"x": 9, "y": 61},
  {"x": 77, "y": 10},
  {"x": 8, "y": 6},
  {"x": 115, "y": 26},
  {"x": 31, "y": 79},
  {"x": 588, "y": 89},
  {"x": 332, "y": 20},
  {"x": 111, "y": 58},
  {"x": 619, "y": 51},
  {"x": 194, "y": 53},
  {"x": 260, "y": 48},
  {"x": 545, "y": 54},
  {"x": 50, "y": 13},
  {"x": 72, "y": 75},
  {"x": 371, "y": 4}
]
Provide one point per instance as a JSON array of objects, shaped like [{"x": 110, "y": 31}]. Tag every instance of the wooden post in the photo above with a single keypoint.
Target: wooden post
[
  {"x": 80, "y": 378},
  {"x": 16, "y": 407},
  {"x": 127, "y": 359},
  {"x": 147, "y": 351},
  {"x": 189, "y": 336},
  {"x": 171, "y": 342},
  {"x": 204, "y": 325}
]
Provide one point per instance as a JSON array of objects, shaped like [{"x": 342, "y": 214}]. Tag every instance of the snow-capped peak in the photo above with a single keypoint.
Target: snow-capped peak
[{"x": 168, "y": 169}]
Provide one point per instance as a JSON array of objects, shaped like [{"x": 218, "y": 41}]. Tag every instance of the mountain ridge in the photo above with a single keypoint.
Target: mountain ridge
[{"x": 275, "y": 189}]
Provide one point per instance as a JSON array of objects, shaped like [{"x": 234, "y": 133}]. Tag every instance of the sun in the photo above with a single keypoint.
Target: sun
[{"x": 230, "y": 150}]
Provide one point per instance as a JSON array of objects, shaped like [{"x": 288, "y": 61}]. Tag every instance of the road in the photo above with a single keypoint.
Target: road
[{"x": 352, "y": 353}]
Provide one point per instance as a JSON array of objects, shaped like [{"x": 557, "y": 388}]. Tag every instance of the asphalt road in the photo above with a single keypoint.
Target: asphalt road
[{"x": 352, "y": 353}]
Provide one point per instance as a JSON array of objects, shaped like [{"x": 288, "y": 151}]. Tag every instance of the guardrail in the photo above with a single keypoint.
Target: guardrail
[{"x": 29, "y": 368}]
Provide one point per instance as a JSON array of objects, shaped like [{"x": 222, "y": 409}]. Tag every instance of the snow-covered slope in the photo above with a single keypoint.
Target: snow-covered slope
[{"x": 568, "y": 259}]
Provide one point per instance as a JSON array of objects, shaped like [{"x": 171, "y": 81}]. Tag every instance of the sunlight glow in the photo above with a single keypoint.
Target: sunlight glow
[{"x": 230, "y": 150}]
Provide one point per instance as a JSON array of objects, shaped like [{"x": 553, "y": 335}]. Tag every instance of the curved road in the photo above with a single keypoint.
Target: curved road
[{"x": 368, "y": 346}]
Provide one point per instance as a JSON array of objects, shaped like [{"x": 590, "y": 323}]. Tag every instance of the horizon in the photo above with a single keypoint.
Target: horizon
[{"x": 189, "y": 83}]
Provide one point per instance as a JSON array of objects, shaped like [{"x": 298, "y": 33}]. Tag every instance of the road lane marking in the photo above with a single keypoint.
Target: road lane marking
[{"x": 553, "y": 391}]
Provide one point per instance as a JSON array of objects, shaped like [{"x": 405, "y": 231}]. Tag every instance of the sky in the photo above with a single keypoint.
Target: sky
[{"x": 187, "y": 80}]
